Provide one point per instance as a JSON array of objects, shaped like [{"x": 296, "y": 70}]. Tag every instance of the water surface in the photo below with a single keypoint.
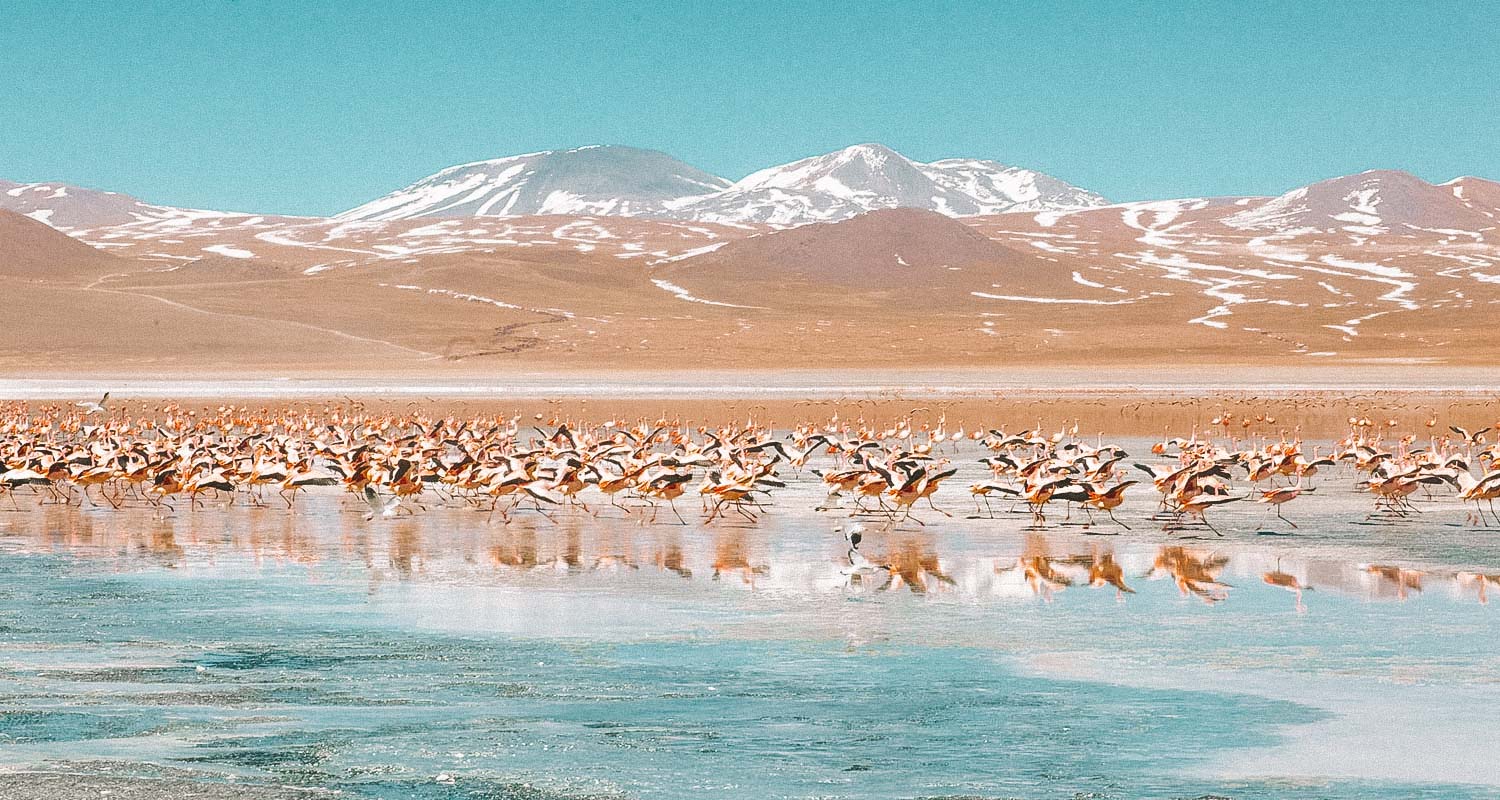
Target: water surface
[{"x": 449, "y": 656}]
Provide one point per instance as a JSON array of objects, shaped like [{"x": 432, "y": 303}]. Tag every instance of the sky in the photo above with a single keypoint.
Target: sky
[{"x": 313, "y": 108}]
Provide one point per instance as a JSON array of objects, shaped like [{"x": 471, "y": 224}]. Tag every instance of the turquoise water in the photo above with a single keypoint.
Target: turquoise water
[{"x": 443, "y": 657}]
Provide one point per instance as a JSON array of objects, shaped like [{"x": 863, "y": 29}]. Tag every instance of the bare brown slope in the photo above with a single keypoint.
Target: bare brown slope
[
  {"x": 890, "y": 257},
  {"x": 1478, "y": 194},
  {"x": 1382, "y": 198},
  {"x": 878, "y": 248},
  {"x": 76, "y": 330},
  {"x": 32, "y": 251},
  {"x": 1156, "y": 283}
]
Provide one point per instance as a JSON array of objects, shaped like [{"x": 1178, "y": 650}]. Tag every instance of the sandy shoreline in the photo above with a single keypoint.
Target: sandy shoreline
[
  {"x": 756, "y": 383},
  {"x": 1307, "y": 414},
  {"x": 1244, "y": 400}
]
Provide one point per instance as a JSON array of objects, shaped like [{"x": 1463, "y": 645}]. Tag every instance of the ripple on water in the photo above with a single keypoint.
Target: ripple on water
[{"x": 25, "y": 727}]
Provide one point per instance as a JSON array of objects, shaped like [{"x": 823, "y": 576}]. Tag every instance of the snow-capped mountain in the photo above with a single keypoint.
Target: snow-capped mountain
[
  {"x": 997, "y": 188},
  {"x": 599, "y": 180},
  {"x": 1377, "y": 201},
  {"x": 866, "y": 177},
  {"x": 628, "y": 182},
  {"x": 73, "y": 208}
]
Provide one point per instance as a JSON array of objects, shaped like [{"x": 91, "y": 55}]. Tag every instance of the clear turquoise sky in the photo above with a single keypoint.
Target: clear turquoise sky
[{"x": 267, "y": 106}]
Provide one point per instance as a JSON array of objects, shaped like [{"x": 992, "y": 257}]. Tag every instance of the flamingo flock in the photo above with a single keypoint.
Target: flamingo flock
[{"x": 101, "y": 456}]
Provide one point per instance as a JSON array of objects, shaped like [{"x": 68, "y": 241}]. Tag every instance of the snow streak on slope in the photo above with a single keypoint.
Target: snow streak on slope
[
  {"x": 72, "y": 208},
  {"x": 1367, "y": 204},
  {"x": 318, "y": 245}
]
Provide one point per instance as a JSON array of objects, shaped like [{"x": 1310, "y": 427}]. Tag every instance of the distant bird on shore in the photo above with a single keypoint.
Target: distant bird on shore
[{"x": 94, "y": 407}]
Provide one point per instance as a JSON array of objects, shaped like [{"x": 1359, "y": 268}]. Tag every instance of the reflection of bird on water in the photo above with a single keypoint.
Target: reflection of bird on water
[
  {"x": 1288, "y": 582},
  {"x": 569, "y": 555},
  {"x": 406, "y": 546},
  {"x": 1035, "y": 564},
  {"x": 1193, "y": 574},
  {"x": 1404, "y": 580},
  {"x": 730, "y": 555},
  {"x": 670, "y": 559},
  {"x": 614, "y": 552},
  {"x": 1104, "y": 570},
  {"x": 911, "y": 561},
  {"x": 519, "y": 551},
  {"x": 1480, "y": 580},
  {"x": 614, "y": 561}
]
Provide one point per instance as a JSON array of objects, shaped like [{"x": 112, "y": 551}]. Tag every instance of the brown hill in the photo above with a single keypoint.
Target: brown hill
[
  {"x": 890, "y": 254},
  {"x": 1379, "y": 199},
  {"x": 878, "y": 248},
  {"x": 32, "y": 251},
  {"x": 1354, "y": 271}
]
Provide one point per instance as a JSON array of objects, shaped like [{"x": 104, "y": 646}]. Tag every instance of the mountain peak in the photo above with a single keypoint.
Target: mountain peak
[
  {"x": 870, "y": 176},
  {"x": 1384, "y": 174},
  {"x": 617, "y": 180},
  {"x": 854, "y": 169},
  {"x": 1373, "y": 201},
  {"x": 612, "y": 180},
  {"x": 869, "y": 151}
]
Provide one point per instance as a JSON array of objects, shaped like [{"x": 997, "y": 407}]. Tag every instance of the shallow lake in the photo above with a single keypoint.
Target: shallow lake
[{"x": 448, "y": 655}]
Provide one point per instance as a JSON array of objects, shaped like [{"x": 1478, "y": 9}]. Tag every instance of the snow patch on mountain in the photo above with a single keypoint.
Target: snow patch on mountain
[
  {"x": 627, "y": 182},
  {"x": 867, "y": 177},
  {"x": 1366, "y": 204},
  {"x": 72, "y": 209}
]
